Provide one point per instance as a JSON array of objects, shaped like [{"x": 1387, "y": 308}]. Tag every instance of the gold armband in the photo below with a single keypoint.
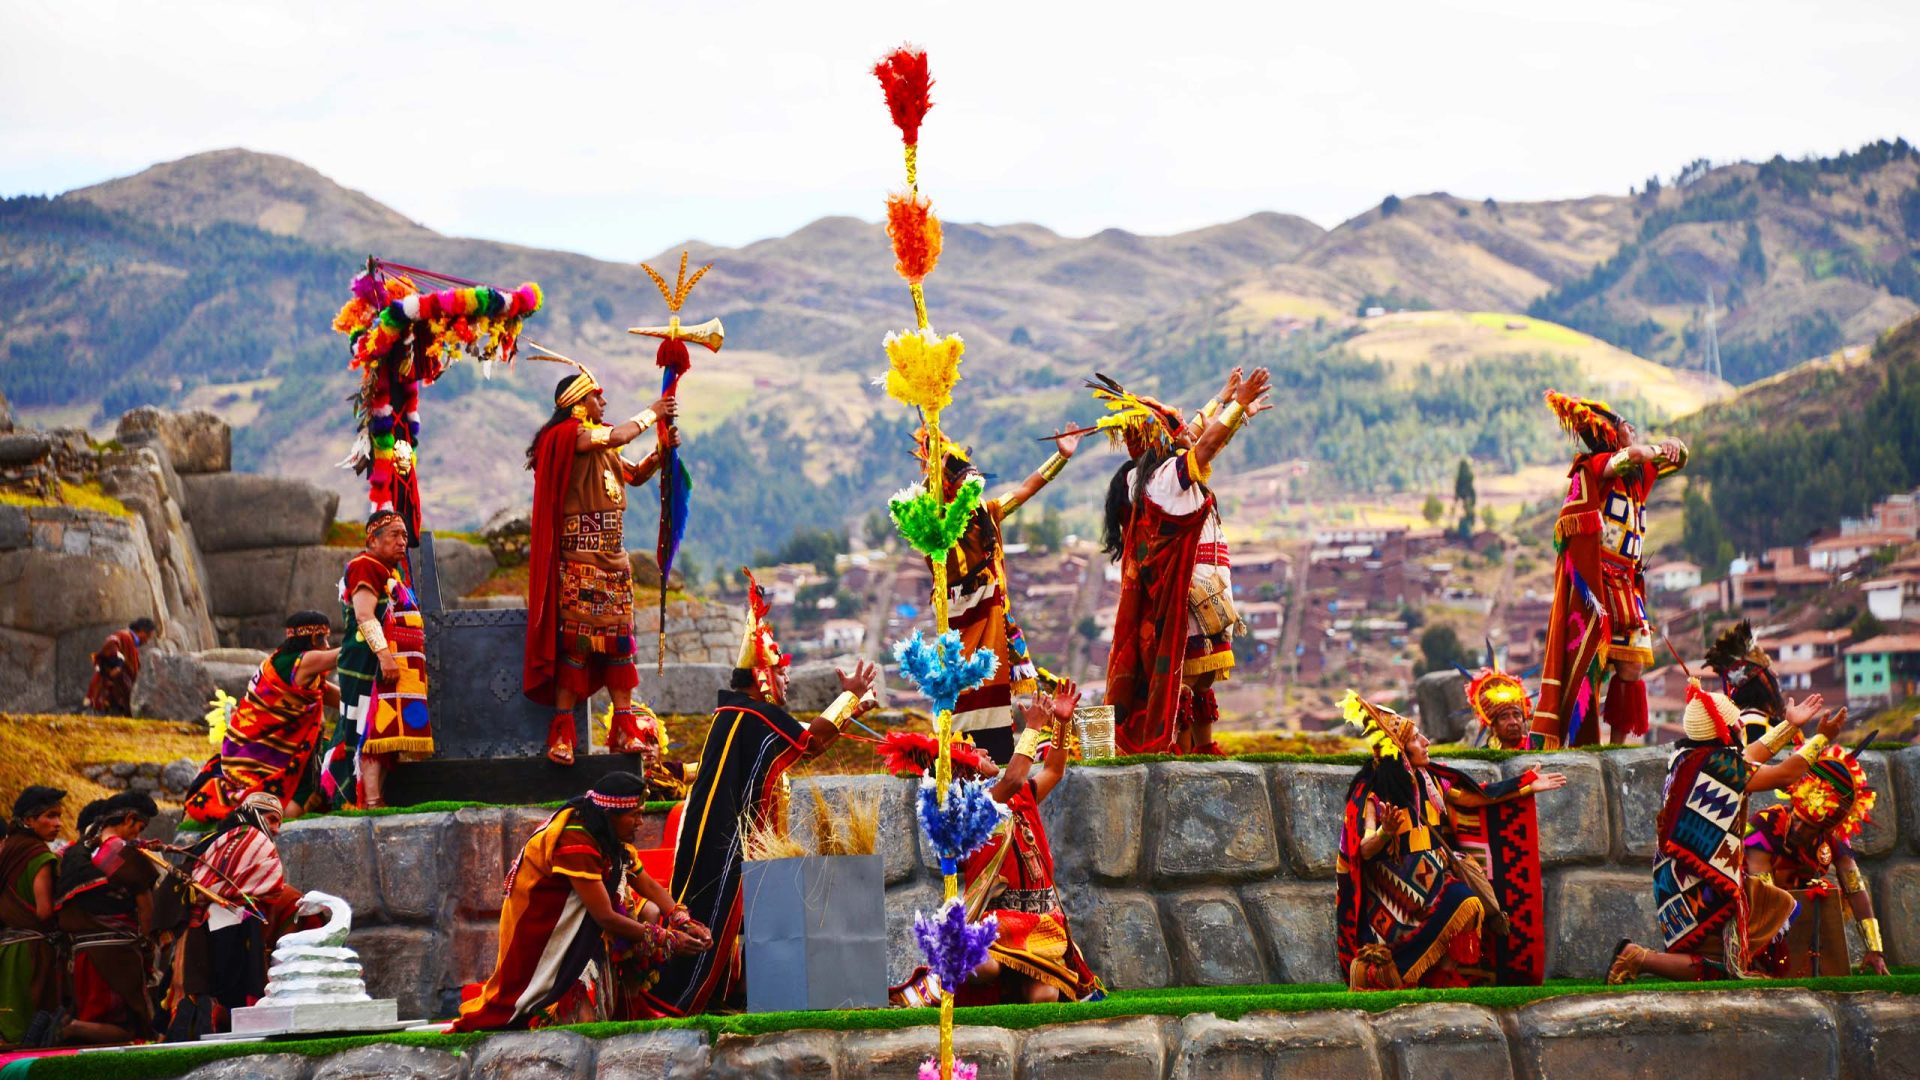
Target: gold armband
[
  {"x": 375, "y": 637},
  {"x": 1778, "y": 736},
  {"x": 1029, "y": 744},
  {"x": 1852, "y": 881},
  {"x": 1234, "y": 416},
  {"x": 843, "y": 709},
  {"x": 1764, "y": 878},
  {"x": 1810, "y": 750},
  {"x": 1870, "y": 931},
  {"x": 646, "y": 418},
  {"x": 1053, "y": 466},
  {"x": 1206, "y": 411},
  {"x": 599, "y": 435}
]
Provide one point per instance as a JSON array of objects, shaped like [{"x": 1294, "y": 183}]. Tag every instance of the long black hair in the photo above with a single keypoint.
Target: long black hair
[
  {"x": 560, "y": 413},
  {"x": 599, "y": 823},
  {"x": 1119, "y": 508}
]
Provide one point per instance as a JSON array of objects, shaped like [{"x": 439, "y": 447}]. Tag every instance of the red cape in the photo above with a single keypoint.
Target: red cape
[
  {"x": 553, "y": 454},
  {"x": 1150, "y": 626}
]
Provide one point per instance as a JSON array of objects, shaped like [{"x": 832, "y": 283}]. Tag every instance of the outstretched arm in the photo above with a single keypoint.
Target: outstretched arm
[
  {"x": 627, "y": 430},
  {"x": 1249, "y": 399},
  {"x": 1064, "y": 445},
  {"x": 1780, "y": 776},
  {"x": 1065, "y": 699}
]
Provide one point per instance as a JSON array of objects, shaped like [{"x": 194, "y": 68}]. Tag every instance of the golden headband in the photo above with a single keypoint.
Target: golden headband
[{"x": 577, "y": 390}]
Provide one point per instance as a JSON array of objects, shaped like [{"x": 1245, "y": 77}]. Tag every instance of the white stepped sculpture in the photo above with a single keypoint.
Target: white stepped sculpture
[{"x": 315, "y": 983}]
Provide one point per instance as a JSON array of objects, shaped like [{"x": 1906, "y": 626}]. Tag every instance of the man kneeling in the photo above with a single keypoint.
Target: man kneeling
[{"x": 576, "y": 895}]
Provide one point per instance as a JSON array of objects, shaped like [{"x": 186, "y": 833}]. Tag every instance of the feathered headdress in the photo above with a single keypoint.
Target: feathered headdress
[
  {"x": 1593, "y": 421},
  {"x": 1134, "y": 420},
  {"x": 1834, "y": 795},
  {"x": 1745, "y": 670},
  {"x": 1492, "y": 689},
  {"x": 912, "y": 753},
  {"x": 759, "y": 652},
  {"x": 1387, "y": 732}
]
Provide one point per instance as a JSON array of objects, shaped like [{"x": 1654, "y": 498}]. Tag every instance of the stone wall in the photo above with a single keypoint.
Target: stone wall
[
  {"x": 1173, "y": 874},
  {"x": 1706, "y": 1035}
]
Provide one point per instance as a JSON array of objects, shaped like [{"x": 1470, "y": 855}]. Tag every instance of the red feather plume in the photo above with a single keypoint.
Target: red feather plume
[
  {"x": 904, "y": 76},
  {"x": 911, "y": 753}
]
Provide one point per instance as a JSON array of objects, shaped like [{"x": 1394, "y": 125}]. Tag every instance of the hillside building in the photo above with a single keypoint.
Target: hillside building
[{"x": 1883, "y": 670}]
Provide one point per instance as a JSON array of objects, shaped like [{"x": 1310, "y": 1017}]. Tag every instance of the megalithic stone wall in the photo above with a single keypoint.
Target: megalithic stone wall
[{"x": 1172, "y": 874}]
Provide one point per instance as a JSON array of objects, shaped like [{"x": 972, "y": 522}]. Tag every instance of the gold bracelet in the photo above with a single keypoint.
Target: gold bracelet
[
  {"x": 1810, "y": 750},
  {"x": 842, "y": 709},
  {"x": 1778, "y": 736},
  {"x": 599, "y": 435},
  {"x": 1764, "y": 879},
  {"x": 646, "y": 418},
  {"x": 1206, "y": 411},
  {"x": 1870, "y": 931},
  {"x": 1853, "y": 881},
  {"x": 371, "y": 633},
  {"x": 1053, "y": 466},
  {"x": 1234, "y": 416},
  {"x": 1029, "y": 743}
]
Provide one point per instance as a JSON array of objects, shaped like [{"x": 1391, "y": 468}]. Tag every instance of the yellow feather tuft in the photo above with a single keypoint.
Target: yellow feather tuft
[{"x": 922, "y": 367}]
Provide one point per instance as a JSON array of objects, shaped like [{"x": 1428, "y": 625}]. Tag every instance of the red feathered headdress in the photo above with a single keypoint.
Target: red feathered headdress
[
  {"x": 759, "y": 652},
  {"x": 913, "y": 753},
  {"x": 908, "y": 85},
  {"x": 1594, "y": 421}
]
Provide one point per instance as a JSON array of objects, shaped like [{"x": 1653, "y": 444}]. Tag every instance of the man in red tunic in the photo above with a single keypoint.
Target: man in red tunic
[
  {"x": 1599, "y": 620},
  {"x": 580, "y": 586},
  {"x": 1173, "y": 630},
  {"x": 116, "y": 667}
]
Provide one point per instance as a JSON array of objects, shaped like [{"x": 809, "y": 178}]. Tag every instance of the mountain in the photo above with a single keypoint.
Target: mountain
[
  {"x": 1801, "y": 257},
  {"x": 212, "y": 281}
]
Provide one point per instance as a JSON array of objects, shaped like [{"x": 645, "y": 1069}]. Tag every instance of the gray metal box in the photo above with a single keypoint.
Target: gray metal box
[{"x": 814, "y": 933}]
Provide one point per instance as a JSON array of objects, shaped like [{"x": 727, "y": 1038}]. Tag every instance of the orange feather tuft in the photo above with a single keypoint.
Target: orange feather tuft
[{"x": 915, "y": 233}]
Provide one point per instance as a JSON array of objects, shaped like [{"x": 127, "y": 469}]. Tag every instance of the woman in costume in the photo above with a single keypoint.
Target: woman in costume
[
  {"x": 1795, "y": 844},
  {"x": 272, "y": 735},
  {"x": 1713, "y": 916},
  {"x": 1173, "y": 629},
  {"x": 1034, "y": 959},
  {"x": 979, "y": 603},
  {"x": 742, "y": 781},
  {"x": 383, "y": 670},
  {"x": 220, "y": 963},
  {"x": 580, "y": 587},
  {"x": 105, "y": 903},
  {"x": 564, "y": 909},
  {"x": 29, "y": 964},
  {"x": 1409, "y": 914},
  {"x": 1599, "y": 619}
]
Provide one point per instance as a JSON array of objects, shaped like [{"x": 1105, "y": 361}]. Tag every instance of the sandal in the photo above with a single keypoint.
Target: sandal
[
  {"x": 1625, "y": 965},
  {"x": 560, "y": 739}
]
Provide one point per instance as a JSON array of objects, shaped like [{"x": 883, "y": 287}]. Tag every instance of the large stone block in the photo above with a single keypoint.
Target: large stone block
[
  {"x": 473, "y": 948},
  {"x": 1881, "y": 835},
  {"x": 250, "y": 582},
  {"x": 410, "y": 853},
  {"x": 1588, "y": 912},
  {"x": 387, "y": 1061},
  {"x": 1119, "y": 933},
  {"x": 477, "y": 858},
  {"x": 1214, "y": 823},
  {"x": 903, "y": 952},
  {"x": 684, "y": 689},
  {"x": 654, "y": 1055},
  {"x": 195, "y": 442},
  {"x": 1896, "y": 899},
  {"x": 1261, "y": 1045},
  {"x": 1294, "y": 921},
  {"x": 1441, "y": 696},
  {"x": 232, "y": 678},
  {"x": 1634, "y": 779},
  {"x": 1095, "y": 820},
  {"x": 235, "y": 511},
  {"x": 1442, "y": 1041},
  {"x": 16, "y": 528},
  {"x": 333, "y": 855},
  {"x": 405, "y": 963},
  {"x": 1905, "y": 767},
  {"x": 799, "y": 1055},
  {"x": 313, "y": 580},
  {"x": 533, "y": 1055},
  {"x": 811, "y": 687},
  {"x": 1778, "y": 1033},
  {"x": 27, "y": 672},
  {"x": 54, "y": 592},
  {"x": 172, "y": 686},
  {"x": 887, "y": 1055},
  {"x": 1879, "y": 1034},
  {"x": 898, "y": 841},
  {"x": 1312, "y": 801},
  {"x": 255, "y": 1067},
  {"x": 1574, "y": 825},
  {"x": 1133, "y": 1049},
  {"x": 1210, "y": 940}
]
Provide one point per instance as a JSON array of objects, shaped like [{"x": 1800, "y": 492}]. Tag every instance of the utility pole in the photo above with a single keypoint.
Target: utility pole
[{"x": 1713, "y": 336}]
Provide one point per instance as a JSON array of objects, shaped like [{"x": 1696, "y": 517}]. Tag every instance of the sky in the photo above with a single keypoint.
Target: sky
[{"x": 620, "y": 129}]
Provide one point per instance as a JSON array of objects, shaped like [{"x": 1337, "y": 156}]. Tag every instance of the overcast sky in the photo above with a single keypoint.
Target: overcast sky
[{"x": 621, "y": 128}]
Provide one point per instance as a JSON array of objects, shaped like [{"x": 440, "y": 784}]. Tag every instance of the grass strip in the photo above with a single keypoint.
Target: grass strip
[{"x": 1226, "y": 1002}]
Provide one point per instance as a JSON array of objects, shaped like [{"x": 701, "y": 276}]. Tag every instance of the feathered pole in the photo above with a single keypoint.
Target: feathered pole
[{"x": 922, "y": 368}]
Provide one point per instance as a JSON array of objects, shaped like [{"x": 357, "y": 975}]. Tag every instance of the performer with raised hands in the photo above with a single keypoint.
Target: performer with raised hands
[
  {"x": 580, "y": 588},
  {"x": 1173, "y": 630}
]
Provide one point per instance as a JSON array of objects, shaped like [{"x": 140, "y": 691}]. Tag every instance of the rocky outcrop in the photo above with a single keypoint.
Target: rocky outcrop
[
  {"x": 143, "y": 477},
  {"x": 195, "y": 442},
  {"x": 172, "y": 686},
  {"x": 1704, "y": 1035}
]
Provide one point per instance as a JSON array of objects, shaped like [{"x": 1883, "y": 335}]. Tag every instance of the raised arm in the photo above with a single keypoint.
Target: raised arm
[
  {"x": 1782, "y": 775},
  {"x": 1064, "y": 446},
  {"x": 626, "y": 431},
  {"x": 1249, "y": 399}
]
